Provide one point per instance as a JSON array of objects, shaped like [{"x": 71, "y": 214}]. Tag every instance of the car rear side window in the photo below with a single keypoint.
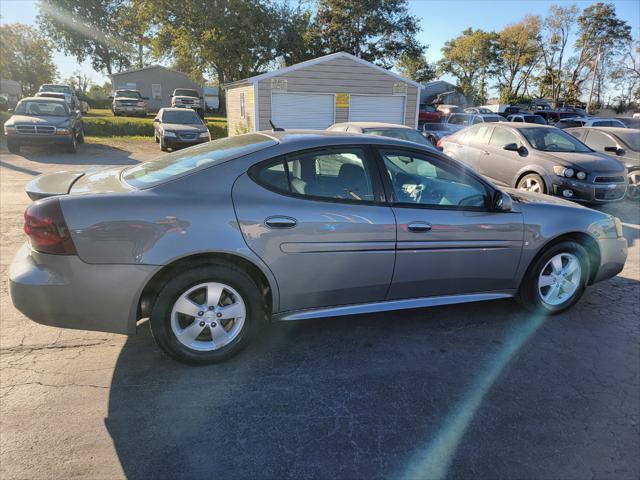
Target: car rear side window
[
  {"x": 336, "y": 174},
  {"x": 179, "y": 163}
]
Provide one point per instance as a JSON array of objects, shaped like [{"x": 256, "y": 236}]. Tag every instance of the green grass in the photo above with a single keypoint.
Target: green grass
[{"x": 102, "y": 123}]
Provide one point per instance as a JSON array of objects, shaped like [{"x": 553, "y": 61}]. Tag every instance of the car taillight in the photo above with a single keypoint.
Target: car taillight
[{"x": 46, "y": 228}]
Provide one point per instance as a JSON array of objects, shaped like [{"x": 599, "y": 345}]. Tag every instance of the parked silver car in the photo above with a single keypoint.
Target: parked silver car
[
  {"x": 540, "y": 159},
  {"x": 392, "y": 130},
  {"x": 623, "y": 144},
  {"x": 458, "y": 121},
  {"x": 212, "y": 241}
]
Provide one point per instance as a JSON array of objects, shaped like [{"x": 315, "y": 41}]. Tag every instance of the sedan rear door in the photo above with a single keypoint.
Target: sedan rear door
[{"x": 318, "y": 220}]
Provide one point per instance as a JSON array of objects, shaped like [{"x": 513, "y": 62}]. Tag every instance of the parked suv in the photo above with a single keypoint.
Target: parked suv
[
  {"x": 44, "y": 121},
  {"x": 188, "y": 98},
  {"x": 589, "y": 122},
  {"x": 127, "y": 101},
  {"x": 69, "y": 95}
]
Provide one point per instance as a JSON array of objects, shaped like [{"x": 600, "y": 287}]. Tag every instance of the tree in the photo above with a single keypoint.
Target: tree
[
  {"x": 601, "y": 36},
  {"x": 556, "y": 31},
  {"x": 470, "y": 58},
  {"x": 625, "y": 78},
  {"x": 80, "y": 83},
  {"x": 416, "y": 68},
  {"x": 379, "y": 31},
  {"x": 26, "y": 57},
  {"x": 93, "y": 29},
  {"x": 517, "y": 56}
]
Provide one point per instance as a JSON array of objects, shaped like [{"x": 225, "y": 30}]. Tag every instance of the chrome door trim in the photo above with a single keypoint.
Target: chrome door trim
[
  {"x": 391, "y": 305},
  {"x": 457, "y": 245},
  {"x": 316, "y": 247}
]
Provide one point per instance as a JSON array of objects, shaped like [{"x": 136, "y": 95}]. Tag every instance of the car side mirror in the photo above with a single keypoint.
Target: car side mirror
[
  {"x": 110, "y": 97},
  {"x": 618, "y": 151},
  {"x": 155, "y": 120},
  {"x": 512, "y": 147},
  {"x": 502, "y": 202}
]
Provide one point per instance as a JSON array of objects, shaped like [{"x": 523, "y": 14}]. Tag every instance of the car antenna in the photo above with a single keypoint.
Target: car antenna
[{"x": 274, "y": 128}]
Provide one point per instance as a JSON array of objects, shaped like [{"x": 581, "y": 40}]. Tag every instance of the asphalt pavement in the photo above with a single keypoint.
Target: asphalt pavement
[{"x": 476, "y": 391}]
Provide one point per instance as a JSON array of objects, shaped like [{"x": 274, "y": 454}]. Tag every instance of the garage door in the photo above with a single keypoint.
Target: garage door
[
  {"x": 312, "y": 111},
  {"x": 376, "y": 108}
]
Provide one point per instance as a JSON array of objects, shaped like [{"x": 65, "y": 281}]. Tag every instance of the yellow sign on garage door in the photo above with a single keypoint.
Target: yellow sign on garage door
[{"x": 342, "y": 100}]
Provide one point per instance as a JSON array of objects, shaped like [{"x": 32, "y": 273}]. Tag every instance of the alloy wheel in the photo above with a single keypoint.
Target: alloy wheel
[
  {"x": 208, "y": 316},
  {"x": 530, "y": 184},
  {"x": 633, "y": 190},
  {"x": 559, "y": 279}
]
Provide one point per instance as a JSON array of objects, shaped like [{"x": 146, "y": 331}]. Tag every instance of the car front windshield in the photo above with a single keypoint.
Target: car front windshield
[
  {"x": 181, "y": 162},
  {"x": 183, "y": 117},
  {"x": 535, "y": 119},
  {"x": 400, "y": 133},
  {"x": 183, "y": 92},
  {"x": 553, "y": 140},
  {"x": 631, "y": 139},
  {"x": 41, "y": 107},
  {"x": 460, "y": 119},
  {"x": 434, "y": 126},
  {"x": 492, "y": 118},
  {"x": 128, "y": 94}
]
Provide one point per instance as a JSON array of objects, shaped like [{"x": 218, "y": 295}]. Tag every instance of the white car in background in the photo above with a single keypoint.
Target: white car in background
[{"x": 572, "y": 122}]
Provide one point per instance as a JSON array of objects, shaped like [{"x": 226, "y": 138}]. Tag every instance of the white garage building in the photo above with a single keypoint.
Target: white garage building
[{"x": 319, "y": 92}]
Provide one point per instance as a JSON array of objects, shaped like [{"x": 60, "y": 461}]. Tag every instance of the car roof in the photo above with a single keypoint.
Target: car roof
[
  {"x": 48, "y": 99},
  {"x": 371, "y": 125},
  {"x": 604, "y": 129},
  {"x": 310, "y": 138},
  {"x": 174, "y": 109},
  {"x": 523, "y": 125}
]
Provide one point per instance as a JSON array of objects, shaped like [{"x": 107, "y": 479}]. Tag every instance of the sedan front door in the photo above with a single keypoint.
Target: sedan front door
[
  {"x": 318, "y": 221},
  {"x": 449, "y": 241}
]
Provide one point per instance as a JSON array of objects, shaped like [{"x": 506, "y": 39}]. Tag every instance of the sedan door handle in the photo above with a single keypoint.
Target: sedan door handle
[
  {"x": 486, "y": 153},
  {"x": 280, "y": 222},
  {"x": 419, "y": 227}
]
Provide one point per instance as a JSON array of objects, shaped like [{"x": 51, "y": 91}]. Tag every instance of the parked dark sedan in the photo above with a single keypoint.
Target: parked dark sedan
[
  {"x": 44, "y": 121},
  {"x": 539, "y": 158},
  {"x": 623, "y": 144},
  {"x": 179, "y": 127}
]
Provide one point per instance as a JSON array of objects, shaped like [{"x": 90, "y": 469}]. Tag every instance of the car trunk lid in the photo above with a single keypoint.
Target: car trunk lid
[{"x": 95, "y": 180}]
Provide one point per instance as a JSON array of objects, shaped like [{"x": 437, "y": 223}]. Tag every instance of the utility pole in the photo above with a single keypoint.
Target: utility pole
[{"x": 593, "y": 80}]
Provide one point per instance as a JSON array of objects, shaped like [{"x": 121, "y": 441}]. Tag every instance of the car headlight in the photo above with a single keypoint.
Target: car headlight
[
  {"x": 168, "y": 133},
  {"x": 204, "y": 134},
  {"x": 569, "y": 172},
  {"x": 610, "y": 227},
  {"x": 62, "y": 131},
  {"x": 9, "y": 129},
  {"x": 141, "y": 104}
]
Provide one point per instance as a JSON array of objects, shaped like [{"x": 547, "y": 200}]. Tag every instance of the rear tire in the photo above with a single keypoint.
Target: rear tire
[
  {"x": 13, "y": 147},
  {"x": 72, "y": 147},
  {"x": 550, "y": 273},
  {"x": 192, "y": 338},
  {"x": 81, "y": 134}
]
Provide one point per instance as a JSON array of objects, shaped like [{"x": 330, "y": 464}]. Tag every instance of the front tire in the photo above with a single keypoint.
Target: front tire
[
  {"x": 556, "y": 280},
  {"x": 72, "y": 147},
  {"x": 207, "y": 314},
  {"x": 81, "y": 134},
  {"x": 13, "y": 147},
  {"x": 532, "y": 182},
  {"x": 633, "y": 190}
]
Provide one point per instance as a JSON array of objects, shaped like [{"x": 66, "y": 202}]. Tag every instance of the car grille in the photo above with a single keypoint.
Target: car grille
[
  {"x": 610, "y": 195},
  {"x": 127, "y": 103},
  {"x": 35, "y": 129},
  {"x": 616, "y": 179},
  {"x": 186, "y": 101},
  {"x": 187, "y": 136}
]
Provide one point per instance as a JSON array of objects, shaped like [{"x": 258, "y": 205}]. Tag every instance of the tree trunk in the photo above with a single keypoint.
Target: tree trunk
[{"x": 593, "y": 80}]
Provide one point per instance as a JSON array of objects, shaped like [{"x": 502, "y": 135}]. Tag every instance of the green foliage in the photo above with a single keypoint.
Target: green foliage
[
  {"x": 416, "y": 68},
  {"x": 470, "y": 58},
  {"x": 379, "y": 31},
  {"x": 90, "y": 29},
  {"x": 26, "y": 57}
]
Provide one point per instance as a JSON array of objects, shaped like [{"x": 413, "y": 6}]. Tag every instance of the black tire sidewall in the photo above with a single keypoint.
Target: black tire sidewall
[
  {"x": 529, "y": 296},
  {"x": 160, "y": 320},
  {"x": 13, "y": 147},
  {"x": 81, "y": 134}
]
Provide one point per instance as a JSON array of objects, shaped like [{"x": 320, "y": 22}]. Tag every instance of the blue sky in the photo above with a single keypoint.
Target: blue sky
[{"x": 441, "y": 20}]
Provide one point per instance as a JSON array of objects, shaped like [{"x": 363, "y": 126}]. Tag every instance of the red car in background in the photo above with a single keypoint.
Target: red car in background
[{"x": 429, "y": 114}]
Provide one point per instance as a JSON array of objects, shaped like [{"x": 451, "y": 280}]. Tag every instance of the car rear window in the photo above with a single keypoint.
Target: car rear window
[{"x": 179, "y": 163}]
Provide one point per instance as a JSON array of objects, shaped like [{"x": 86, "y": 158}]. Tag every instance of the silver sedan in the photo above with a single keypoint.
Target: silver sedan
[{"x": 213, "y": 242}]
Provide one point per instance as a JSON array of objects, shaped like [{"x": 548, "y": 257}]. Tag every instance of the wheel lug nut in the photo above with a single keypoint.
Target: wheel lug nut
[
  {"x": 202, "y": 324},
  {"x": 211, "y": 307},
  {"x": 218, "y": 314},
  {"x": 200, "y": 314},
  {"x": 213, "y": 324}
]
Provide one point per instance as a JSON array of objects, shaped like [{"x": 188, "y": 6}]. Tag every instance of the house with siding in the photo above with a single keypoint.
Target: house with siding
[
  {"x": 317, "y": 93},
  {"x": 155, "y": 82}
]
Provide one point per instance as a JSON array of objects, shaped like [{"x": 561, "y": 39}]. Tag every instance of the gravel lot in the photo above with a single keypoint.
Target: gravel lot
[{"x": 481, "y": 391}]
